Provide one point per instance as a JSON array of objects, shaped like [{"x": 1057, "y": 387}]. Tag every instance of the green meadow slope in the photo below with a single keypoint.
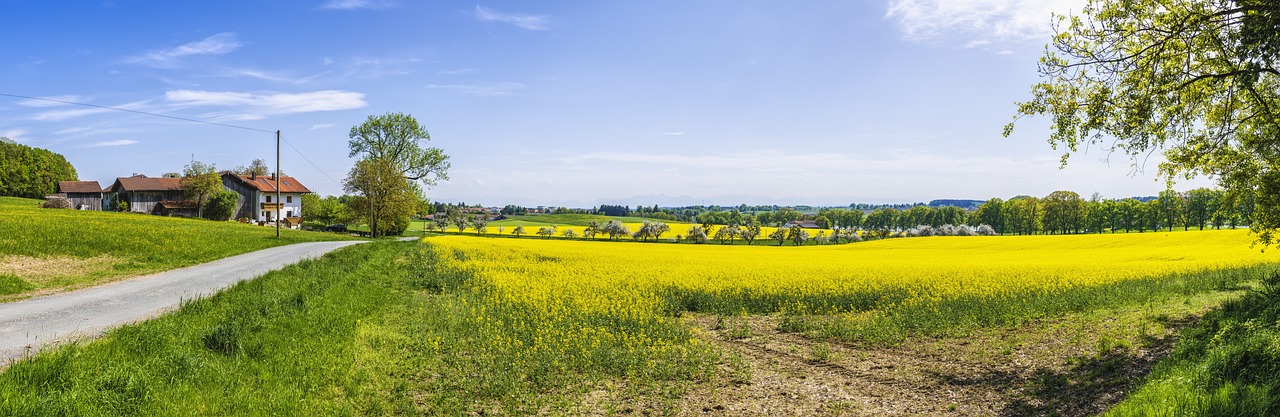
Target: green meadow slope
[{"x": 48, "y": 250}]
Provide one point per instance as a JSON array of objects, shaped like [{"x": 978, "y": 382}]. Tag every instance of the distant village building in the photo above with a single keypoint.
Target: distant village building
[
  {"x": 804, "y": 224},
  {"x": 143, "y": 194},
  {"x": 257, "y": 197},
  {"x": 83, "y": 195}
]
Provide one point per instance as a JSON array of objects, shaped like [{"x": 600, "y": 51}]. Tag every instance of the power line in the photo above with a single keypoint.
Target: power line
[
  {"x": 138, "y": 112},
  {"x": 304, "y": 157},
  {"x": 313, "y": 165}
]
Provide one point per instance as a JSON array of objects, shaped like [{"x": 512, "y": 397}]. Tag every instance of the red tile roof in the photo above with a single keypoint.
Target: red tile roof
[
  {"x": 147, "y": 184},
  {"x": 268, "y": 185},
  {"x": 79, "y": 187}
]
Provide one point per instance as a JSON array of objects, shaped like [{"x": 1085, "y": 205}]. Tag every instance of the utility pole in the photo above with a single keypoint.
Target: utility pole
[{"x": 278, "y": 180}]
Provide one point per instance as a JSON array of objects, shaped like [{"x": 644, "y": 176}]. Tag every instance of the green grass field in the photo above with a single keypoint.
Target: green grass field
[
  {"x": 389, "y": 329},
  {"x": 48, "y": 250}
]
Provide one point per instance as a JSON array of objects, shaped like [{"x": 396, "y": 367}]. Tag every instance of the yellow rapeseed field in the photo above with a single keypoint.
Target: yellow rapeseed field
[{"x": 930, "y": 284}]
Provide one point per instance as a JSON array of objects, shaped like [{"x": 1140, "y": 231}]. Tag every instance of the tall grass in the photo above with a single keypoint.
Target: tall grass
[{"x": 1226, "y": 365}]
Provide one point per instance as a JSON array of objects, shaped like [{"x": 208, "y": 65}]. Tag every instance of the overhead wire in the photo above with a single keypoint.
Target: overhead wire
[{"x": 295, "y": 149}]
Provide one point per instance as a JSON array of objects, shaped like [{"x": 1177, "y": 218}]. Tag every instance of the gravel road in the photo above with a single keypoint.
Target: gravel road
[{"x": 27, "y": 325}]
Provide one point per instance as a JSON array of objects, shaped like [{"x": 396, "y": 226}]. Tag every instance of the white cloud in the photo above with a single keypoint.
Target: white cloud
[
  {"x": 269, "y": 76},
  {"x": 254, "y": 105},
  {"x": 674, "y": 133},
  {"x": 1004, "y": 52},
  {"x": 524, "y": 21},
  {"x": 71, "y": 130},
  {"x": 48, "y": 103},
  {"x": 482, "y": 89},
  {"x": 354, "y": 5},
  {"x": 16, "y": 135},
  {"x": 121, "y": 142},
  {"x": 222, "y": 43},
  {"x": 932, "y": 20},
  {"x": 60, "y": 115},
  {"x": 321, "y": 126}
]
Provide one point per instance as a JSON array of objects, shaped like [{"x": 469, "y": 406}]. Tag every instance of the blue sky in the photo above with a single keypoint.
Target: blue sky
[{"x": 563, "y": 103}]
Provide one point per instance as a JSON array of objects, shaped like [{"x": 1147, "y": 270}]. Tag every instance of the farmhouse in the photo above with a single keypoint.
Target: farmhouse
[
  {"x": 144, "y": 195},
  {"x": 257, "y": 197},
  {"x": 83, "y": 195}
]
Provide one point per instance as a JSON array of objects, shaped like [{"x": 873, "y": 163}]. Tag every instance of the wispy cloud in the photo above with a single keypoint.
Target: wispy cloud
[
  {"x": 270, "y": 76},
  {"x": 121, "y": 142},
  {"x": 980, "y": 21},
  {"x": 482, "y": 89},
  {"x": 375, "y": 67},
  {"x": 222, "y": 43},
  {"x": 48, "y": 103},
  {"x": 321, "y": 126},
  {"x": 674, "y": 133},
  {"x": 249, "y": 106},
  {"x": 60, "y": 115},
  {"x": 71, "y": 130},
  {"x": 16, "y": 135},
  {"x": 523, "y": 21},
  {"x": 459, "y": 71},
  {"x": 354, "y": 5}
]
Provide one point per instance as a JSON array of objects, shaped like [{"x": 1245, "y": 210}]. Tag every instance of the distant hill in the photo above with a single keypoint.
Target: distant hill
[{"x": 964, "y": 204}]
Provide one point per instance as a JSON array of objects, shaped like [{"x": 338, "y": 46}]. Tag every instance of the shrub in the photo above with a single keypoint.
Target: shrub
[{"x": 221, "y": 206}]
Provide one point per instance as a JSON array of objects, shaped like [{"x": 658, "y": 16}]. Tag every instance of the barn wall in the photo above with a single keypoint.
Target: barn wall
[{"x": 93, "y": 200}]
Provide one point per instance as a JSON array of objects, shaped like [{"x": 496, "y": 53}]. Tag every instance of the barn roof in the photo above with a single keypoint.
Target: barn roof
[
  {"x": 79, "y": 187},
  {"x": 268, "y": 184},
  {"x": 146, "y": 184}
]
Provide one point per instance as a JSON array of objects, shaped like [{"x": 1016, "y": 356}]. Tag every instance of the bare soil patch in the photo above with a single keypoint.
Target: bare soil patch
[{"x": 1070, "y": 366}]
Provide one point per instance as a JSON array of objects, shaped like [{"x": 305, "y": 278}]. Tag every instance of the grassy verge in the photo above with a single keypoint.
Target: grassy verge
[
  {"x": 46, "y": 250},
  {"x": 370, "y": 329},
  {"x": 1228, "y": 364}
]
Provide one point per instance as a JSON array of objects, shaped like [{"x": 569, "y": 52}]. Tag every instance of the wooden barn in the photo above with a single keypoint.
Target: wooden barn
[
  {"x": 83, "y": 195},
  {"x": 144, "y": 194}
]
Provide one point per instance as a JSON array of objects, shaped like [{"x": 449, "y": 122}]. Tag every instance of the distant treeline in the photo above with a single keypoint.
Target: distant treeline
[
  {"x": 31, "y": 172},
  {"x": 1057, "y": 213}
]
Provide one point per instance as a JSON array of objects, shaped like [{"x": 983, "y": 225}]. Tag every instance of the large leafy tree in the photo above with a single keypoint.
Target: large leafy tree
[
  {"x": 199, "y": 182},
  {"x": 385, "y": 197},
  {"x": 397, "y": 137},
  {"x": 1196, "y": 79},
  {"x": 392, "y": 159}
]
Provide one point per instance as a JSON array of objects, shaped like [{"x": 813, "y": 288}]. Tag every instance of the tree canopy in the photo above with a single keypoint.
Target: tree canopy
[
  {"x": 199, "y": 182},
  {"x": 31, "y": 172},
  {"x": 1196, "y": 79},
  {"x": 398, "y": 138}
]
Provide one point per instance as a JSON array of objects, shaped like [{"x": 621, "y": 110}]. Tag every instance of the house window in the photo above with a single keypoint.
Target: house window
[
  {"x": 289, "y": 213},
  {"x": 268, "y": 199},
  {"x": 288, "y": 199}
]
